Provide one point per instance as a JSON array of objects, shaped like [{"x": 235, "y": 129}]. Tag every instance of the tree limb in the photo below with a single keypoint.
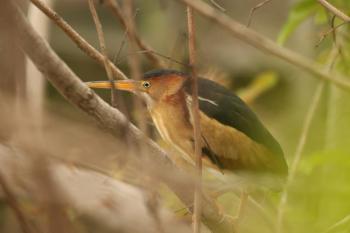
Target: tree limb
[
  {"x": 77, "y": 39},
  {"x": 334, "y": 10},
  {"x": 54, "y": 185},
  {"x": 266, "y": 45}
]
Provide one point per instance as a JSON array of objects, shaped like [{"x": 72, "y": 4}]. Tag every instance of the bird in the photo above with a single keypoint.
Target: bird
[{"x": 232, "y": 136}]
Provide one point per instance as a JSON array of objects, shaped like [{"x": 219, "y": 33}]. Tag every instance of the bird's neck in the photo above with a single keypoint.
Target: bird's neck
[{"x": 177, "y": 99}]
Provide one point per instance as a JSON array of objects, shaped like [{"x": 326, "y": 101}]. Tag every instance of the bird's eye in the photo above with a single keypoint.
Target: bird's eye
[{"x": 146, "y": 84}]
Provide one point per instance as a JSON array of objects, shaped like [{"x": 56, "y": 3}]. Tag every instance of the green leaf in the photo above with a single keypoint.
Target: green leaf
[{"x": 298, "y": 14}]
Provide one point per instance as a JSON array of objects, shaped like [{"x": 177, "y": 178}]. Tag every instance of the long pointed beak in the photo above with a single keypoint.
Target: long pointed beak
[{"x": 125, "y": 85}]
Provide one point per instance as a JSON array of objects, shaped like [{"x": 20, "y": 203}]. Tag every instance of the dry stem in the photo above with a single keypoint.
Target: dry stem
[
  {"x": 334, "y": 10},
  {"x": 77, "y": 39},
  {"x": 217, "y": 5},
  {"x": 196, "y": 125},
  {"x": 252, "y": 11},
  {"x": 266, "y": 45},
  {"x": 102, "y": 42},
  {"x": 135, "y": 67}
]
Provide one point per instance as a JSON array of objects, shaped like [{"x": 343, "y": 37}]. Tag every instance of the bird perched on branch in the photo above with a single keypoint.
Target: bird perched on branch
[{"x": 233, "y": 138}]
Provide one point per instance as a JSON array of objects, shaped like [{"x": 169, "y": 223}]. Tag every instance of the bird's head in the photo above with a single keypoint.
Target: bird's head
[{"x": 156, "y": 84}]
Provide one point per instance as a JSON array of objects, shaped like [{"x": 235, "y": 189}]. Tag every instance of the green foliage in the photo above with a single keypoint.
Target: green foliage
[
  {"x": 307, "y": 9},
  {"x": 319, "y": 196},
  {"x": 297, "y": 15}
]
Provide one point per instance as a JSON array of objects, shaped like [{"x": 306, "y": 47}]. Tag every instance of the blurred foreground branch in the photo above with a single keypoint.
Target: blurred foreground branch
[
  {"x": 12, "y": 202},
  {"x": 266, "y": 45},
  {"x": 111, "y": 203},
  {"x": 74, "y": 90}
]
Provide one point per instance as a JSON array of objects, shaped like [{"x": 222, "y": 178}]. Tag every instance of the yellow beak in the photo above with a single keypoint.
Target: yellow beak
[{"x": 125, "y": 85}]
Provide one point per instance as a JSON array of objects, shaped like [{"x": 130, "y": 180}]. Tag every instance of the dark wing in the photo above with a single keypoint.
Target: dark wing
[
  {"x": 207, "y": 151},
  {"x": 221, "y": 104}
]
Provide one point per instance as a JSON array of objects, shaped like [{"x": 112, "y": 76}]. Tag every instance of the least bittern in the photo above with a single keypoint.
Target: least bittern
[{"x": 233, "y": 138}]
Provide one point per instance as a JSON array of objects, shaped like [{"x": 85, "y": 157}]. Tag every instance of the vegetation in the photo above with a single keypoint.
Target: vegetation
[{"x": 62, "y": 170}]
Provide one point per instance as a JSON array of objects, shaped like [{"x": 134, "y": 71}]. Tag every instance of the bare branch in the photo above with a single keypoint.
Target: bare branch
[
  {"x": 134, "y": 63},
  {"x": 101, "y": 40},
  {"x": 326, "y": 33},
  {"x": 252, "y": 11},
  {"x": 77, "y": 39},
  {"x": 117, "y": 12},
  {"x": 334, "y": 10},
  {"x": 266, "y": 45},
  {"x": 165, "y": 57},
  {"x": 217, "y": 5},
  {"x": 196, "y": 126},
  {"x": 92, "y": 194}
]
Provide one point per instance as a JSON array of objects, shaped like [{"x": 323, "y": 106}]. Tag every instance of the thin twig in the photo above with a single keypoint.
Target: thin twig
[
  {"x": 252, "y": 11},
  {"x": 217, "y": 5},
  {"x": 122, "y": 44},
  {"x": 339, "y": 223},
  {"x": 165, "y": 57},
  {"x": 102, "y": 42},
  {"x": 337, "y": 41},
  {"x": 12, "y": 202},
  {"x": 302, "y": 141},
  {"x": 326, "y": 33},
  {"x": 266, "y": 45},
  {"x": 77, "y": 39},
  {"x": 134, "y": 63},
  {"x": 118, "y": 13},
  {"x": 341, "y": 15},
  {"x": 174, "y": 50},
  {"x": 196, "y": 126}
]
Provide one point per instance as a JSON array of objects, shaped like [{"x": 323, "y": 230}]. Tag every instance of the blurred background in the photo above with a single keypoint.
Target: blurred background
[{"x": 36, "y": 121}]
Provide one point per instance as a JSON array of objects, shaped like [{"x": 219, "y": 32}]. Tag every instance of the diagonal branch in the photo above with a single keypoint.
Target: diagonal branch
[
  {"x": 254, "y": 9},
  {"x": 266, "y": 45},
  {"x": 334, "y": 10},
  {"x": 75, "y": 91},
  {"x": 101, "y": 40},
  {"x": 77, "y": 39}
]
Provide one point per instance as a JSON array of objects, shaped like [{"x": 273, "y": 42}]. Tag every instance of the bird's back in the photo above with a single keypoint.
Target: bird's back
[{"x": 230, "y": 126}]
